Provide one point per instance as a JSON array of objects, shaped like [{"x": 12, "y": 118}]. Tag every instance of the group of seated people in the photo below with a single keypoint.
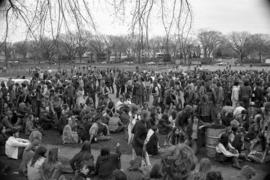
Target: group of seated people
[
  {"x": 179, "y": 162},
  {"x": 246, "y": 137}
]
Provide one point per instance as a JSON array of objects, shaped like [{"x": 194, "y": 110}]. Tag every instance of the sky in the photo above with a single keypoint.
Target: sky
[
  {"x": 232, "y": 15},
  {"x": 221, "y": 15}
]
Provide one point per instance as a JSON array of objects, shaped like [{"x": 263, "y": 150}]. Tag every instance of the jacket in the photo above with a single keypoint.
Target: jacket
[{"x": 105, "y": 165}]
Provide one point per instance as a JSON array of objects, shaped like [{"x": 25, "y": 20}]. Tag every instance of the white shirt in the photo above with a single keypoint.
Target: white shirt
[
  {"x": 238, "y": 111},
  {"x": 118, "y": 105},
  {"x": 12, "y": 146},
  {"x": 127, "y": 102},
  {"x": 221, "y": 149},
  {"x": 149, "y": 135},
  {"x": 235, "y": 93}
]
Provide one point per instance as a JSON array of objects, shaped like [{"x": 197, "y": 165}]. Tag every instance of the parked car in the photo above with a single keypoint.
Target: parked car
[
  {"x": 103, "y": 62},
  {"x": 150, "y": 63},
  {"x": 129, "y": 62},
  {"x": 222, "y": 64}
]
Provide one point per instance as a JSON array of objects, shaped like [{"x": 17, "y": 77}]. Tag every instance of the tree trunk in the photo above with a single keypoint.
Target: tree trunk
[
  {"x": 108, "y": 55},
  {"x": 120, "y": 57},
  {"x": 260, "y": 56},
  {"x": 167, "y": 45},
  {"x": 241, "y": 57},
  {"x": 6, "y": 55},
  {"x": 205, "y": 52}
]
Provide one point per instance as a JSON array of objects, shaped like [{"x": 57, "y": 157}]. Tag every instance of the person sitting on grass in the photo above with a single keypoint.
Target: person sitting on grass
[
  {"x": 99, "y": 131},
  {"x": 115, "y": 124},
  {"x": 177, "y": 136},
  {"x": 108, "y": 162},
  {"x": 35, "y": 164},
  {"x": 14, "y": 145},
  {"x": 35, "y": 139},
  {"x": 236, "y": 138},
  {"x": 83, "y": 157},
  {"x": 226, "y": 152},
  {"x": 69, "y": 136},
  {"x": 7, "y": 121},
  {"x": 29, "y": 123},
  {"x": 52, "y": 167}
]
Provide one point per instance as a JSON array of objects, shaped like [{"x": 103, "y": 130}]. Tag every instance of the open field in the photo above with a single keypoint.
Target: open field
[{"x": 23, "y": 69}]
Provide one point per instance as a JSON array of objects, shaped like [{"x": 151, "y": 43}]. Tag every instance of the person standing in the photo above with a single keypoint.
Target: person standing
[
  {"x": 235, "y": 94},
  {"x": 69, "y": 94},
  {"x": 92, "y": 92},
  {"x": 258, "y": 95},
  {"x": 156, "y": 93},
  {"x": 140, "y": 133},
  {"x": 245, "y": 94}
]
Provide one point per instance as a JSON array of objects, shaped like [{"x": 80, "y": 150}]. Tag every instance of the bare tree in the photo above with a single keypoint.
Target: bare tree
[
  {"x": 55, "y": 16},
  {"x": 68, "y": 45},
  {"x": 210, "y": 41},
  {"x": 239, "y": 42},
  {"x": 21, "y": 48},
  {"x": 259, "y": 44}
]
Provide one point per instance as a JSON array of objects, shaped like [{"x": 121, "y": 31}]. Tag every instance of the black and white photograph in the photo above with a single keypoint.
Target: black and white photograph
[{"x": 135, "y": 89}]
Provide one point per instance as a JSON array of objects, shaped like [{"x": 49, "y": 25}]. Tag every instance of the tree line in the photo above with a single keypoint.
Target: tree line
[{"x": 207, "y": 44}]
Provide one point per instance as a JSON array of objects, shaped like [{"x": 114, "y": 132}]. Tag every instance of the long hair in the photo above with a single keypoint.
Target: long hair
[
  {"x": 51, "y": 162},
  {"x": 53, "y": 156},
  {"x": 178, "y": 163},
  {"x": 86, "y": 147},
  {"x": 224, "y": 139},
  {"x": 84, "y": 155},
  {"x": 40, "y": 152}
]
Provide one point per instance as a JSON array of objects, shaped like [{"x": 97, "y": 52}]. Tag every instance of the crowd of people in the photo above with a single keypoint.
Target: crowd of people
[{"x": 155, "y": 110}]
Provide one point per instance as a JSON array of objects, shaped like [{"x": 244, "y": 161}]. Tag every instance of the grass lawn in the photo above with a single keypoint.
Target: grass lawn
[{"x": 54, "y": 138}]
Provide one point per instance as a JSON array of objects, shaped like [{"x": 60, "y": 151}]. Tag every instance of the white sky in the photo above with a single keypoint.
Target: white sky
[{"x": 221, "y": 15}]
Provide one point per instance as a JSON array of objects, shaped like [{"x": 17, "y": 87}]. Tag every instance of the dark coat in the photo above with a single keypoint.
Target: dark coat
[
  {"x": 152, "y": 145},
  {"x": 140, "y": 133},
  {"x": 105, "y": 165}
]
